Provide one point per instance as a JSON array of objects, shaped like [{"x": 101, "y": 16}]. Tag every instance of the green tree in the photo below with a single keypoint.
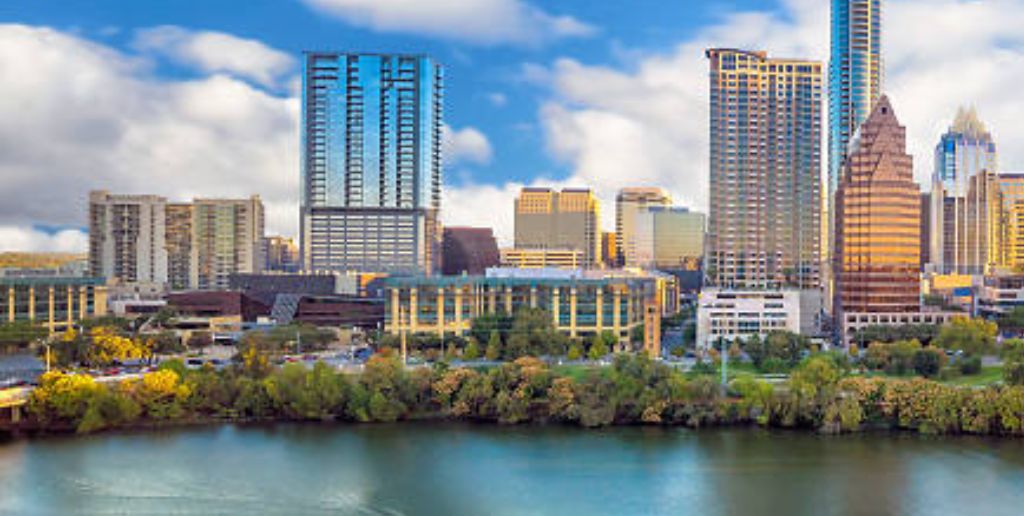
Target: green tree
[
  {"x": 928, "y": 362},
  {"x": 19, "y": 334},
  {"x": 598, "y": 349},
  {"x": 575, "y": 351},
  {"x": 972, "y": 336},
  {"x": 472, "y": 351},
  {"x": 493, "y": 346}
]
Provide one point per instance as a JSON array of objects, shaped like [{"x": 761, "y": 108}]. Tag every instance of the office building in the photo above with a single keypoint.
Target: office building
[
  {"x": 566, "y": 221},
  {"x": 764, "y": 225},
  {"x": 580, "y": 303},
  {"x": 669, "y": 238},
  {"x": 609, "y": 249},
  {"x": 728, "y": 315},
  {"x": 926, "y": 229},
  {"x": 127, "y": 237},
  {"x": 964, "y": 196},
  {"x": 878, "y": 226},
  {"x": 1011, "y": 227},
  {"x": 56, "y": 302},
  {"x": 281, "y": 254},
  {"x": 628, "y": 204},
  {"x": 469, "y": 250},
  {"x": 514, "y": 257},
  {"x": 371, "y": 162},
  {"x": 227, "y": 238}
]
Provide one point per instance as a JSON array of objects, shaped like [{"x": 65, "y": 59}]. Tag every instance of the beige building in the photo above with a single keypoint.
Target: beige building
[
  {"x": 1011, "y": 222},
  {"x": 541, "y": 258},
  {"x": 629, "y": 204},
  {"x": 126, "y": 237},
  {"x": 178, "y": 235},
  {"x": 227, "y": 238},
  {"x": 764, "y": 220},
  {"x": 570, "y": 219}
]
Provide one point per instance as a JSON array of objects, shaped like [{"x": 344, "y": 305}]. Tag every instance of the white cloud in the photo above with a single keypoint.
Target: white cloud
[
  {"x": 13, "y": 238},
  {"x": 476, "y": 21},
  {"x": 647, "y": 123},
  {"x": 83, "y": 116},
  {"x": 497, "y": 99},
  {"x": 466, "y": 145},
  {"x": 217, "y": 52}
]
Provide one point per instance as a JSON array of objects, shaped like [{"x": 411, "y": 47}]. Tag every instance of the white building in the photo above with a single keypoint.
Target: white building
[
  {"x": 126, "y": 237},
  {"x": 731, "y": 314}
]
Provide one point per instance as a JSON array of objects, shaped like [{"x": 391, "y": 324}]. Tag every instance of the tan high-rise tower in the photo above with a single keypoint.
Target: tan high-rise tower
[
  {"x": 878, "y": 221},
  {"x": 628, "y": 204},
  {"x": 764, "y": 225},
  {"x": 570, "y": 220}
]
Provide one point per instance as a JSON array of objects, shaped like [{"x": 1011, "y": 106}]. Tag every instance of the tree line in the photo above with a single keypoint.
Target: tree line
[{"x": 819, "y": 396}]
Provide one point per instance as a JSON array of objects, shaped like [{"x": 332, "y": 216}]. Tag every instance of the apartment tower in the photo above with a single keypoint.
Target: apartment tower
[
  {"x": 371, "y": 162},
  {"x": 764, "y": 224}
]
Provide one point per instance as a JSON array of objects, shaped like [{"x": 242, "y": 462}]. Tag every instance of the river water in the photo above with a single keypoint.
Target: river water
[{"x": 454, "y": 469}]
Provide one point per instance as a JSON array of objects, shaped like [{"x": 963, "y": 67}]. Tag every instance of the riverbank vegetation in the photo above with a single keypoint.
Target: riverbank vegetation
[{"x": 819, "y": 395}]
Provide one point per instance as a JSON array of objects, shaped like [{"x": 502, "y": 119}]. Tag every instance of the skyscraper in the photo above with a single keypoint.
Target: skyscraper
[
  {"x": 628, "y": 203},
  {"x": 854, "y": 75},
  {"x": 764, "y": 225},
  {"x": 178, "y": 241},
  {"x": 227, "y": 238},
  {"x": 964, "y": 227},
  {"x": 566, "y": 220},
  {"x": 878, "y": 226},
  {"x": 670, "y": 238},
  {"x": 1011, "y": 227},
  {"x": 371, "y": 162},
  {"x": 126, "y": 237}
]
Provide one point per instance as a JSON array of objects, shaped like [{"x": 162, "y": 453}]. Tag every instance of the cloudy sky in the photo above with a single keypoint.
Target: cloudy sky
[{"x": 189, "y": 98}]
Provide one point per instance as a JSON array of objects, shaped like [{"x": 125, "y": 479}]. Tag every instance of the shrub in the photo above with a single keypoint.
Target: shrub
[
  {"x": 928, "y": 362},
  {"x": 970, "y": 365}
]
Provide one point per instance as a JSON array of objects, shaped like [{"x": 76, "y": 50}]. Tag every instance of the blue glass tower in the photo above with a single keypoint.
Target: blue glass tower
[
  {"x": 371, "y": 162},
  {"x": 855, "y": 76}
]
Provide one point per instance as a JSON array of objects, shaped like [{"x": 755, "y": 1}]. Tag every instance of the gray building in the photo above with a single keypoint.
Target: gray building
[{"x": 371, "y": 162}]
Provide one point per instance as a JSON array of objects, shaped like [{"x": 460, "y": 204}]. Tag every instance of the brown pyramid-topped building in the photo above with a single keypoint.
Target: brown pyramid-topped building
[{"x": 878, "y": 221}]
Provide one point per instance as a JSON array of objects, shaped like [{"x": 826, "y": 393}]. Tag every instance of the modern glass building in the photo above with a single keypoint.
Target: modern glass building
[
  {"x": 764, "y": 221},
  {"x": 371, "y": 162},
  {"x": 965, "y": 205},
  {"x": 878, "y": 222},
  {"x": 629, "y": 202},
  {"x": 670, "y": 238},
  {"x": 854, "y": 75}
]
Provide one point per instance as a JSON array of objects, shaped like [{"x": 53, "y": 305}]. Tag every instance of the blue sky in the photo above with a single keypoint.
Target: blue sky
[{"x": 198, "y": 97}]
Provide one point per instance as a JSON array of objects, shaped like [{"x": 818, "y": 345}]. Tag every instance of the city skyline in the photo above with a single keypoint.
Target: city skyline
[{"x": 571, "y": 98}]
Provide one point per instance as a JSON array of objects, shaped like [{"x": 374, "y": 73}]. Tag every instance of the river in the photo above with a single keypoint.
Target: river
[{"x": 458, "y": 469}]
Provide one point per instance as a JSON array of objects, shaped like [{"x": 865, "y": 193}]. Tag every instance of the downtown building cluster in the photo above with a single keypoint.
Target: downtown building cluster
[{"x": 794, "y": 238}]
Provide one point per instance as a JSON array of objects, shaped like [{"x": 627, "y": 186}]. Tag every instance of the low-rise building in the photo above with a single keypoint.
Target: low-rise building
[
  {"x": 853, "y": 322},
  {"x": 57, "y": 302},
  {"x": 581, "y": 303},
  {"x": 541, "y": 258},
  {"x": 733, "y": 314},
  {"x": 999, "y": 295}
]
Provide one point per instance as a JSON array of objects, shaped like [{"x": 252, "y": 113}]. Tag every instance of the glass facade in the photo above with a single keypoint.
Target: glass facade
[
  {"x": 764, "y": 221},
  {"x": 964, "y": 212},
  {"x": 878, "y": 221},
  {"x": 371, "y": 162}
]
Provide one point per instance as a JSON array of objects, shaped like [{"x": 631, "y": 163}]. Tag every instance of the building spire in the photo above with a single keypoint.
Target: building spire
[{"x": 968, "y": 123}]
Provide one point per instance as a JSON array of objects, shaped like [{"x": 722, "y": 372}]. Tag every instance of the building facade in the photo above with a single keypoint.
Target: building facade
[
  {"x": 565, "y": 220},
  {"x": 469, "y": 250},
  {"x": 227, "y": 238},
  {"x": 855, "y": 75},
  {"x": 580, "y": 304},
  {"x": 281, "y": 254},
  {"x": 878, "y": 226},
  {"x": 741, "y": 314},
  {"x": 371, "y": 162},
  {"x": 669, "y": 238},
  {"x": 1011, "y": 226},
  {"x": 541, "y": 258},
  {"x": 964, "y": 211},
  {"x": 629, "y": 203},
  {"x": 609, "y": 249},
  {"x": 178, "y": 242},
  {"x": 127, "y": 237},
  {"x": 57, "y": 302},
  {"x": 764, "y": 225}
]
